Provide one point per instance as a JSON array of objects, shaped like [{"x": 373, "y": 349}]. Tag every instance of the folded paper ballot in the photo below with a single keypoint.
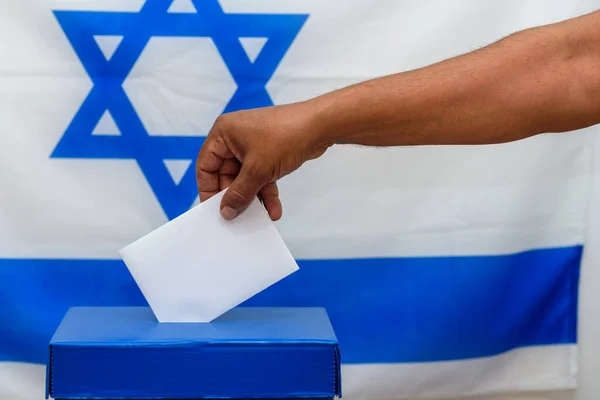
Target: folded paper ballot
[
  {"x": 248, "y": 353},
  {"x": 198, "y": 266}
]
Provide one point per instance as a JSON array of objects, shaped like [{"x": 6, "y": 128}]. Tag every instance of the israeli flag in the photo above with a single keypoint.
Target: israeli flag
[{"x": 446, "y": 271}]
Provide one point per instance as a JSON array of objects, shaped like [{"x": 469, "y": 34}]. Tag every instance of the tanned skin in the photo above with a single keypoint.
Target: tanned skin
[{"x": 540, "y": 80}]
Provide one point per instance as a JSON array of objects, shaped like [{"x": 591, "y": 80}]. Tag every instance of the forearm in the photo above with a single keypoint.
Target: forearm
[{"x": 541, "y": 80}]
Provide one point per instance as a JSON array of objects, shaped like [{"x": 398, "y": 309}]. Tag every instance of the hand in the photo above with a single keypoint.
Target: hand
[{"x": 248, "y": 151}]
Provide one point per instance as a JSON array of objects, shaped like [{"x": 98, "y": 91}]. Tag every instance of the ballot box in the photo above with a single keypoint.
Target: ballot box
[{"x": 247, "y": 353}]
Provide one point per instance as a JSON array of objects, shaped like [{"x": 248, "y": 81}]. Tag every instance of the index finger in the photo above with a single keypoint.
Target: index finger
[{"x": 211, "y": 157}]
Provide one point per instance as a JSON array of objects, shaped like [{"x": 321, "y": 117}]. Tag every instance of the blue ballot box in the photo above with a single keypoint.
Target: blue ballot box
[{"x": 248, "y": 353}]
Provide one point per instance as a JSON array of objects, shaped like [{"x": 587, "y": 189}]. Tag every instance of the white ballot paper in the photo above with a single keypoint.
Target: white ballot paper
[{"x": 199, "y": 266}]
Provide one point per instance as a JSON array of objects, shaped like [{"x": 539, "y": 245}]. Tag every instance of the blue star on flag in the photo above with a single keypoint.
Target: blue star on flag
[{"x": 108, "y": 75}]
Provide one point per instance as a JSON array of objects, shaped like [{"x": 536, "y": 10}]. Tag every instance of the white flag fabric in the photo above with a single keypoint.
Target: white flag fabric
[{"x": 446, "y": 271}]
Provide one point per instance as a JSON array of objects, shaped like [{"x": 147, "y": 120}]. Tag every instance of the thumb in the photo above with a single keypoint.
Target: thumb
[{"x": 242, "y": 191}]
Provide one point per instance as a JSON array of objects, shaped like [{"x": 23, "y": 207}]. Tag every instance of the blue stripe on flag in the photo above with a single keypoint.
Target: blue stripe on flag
[{"x": 383, "y": 310}]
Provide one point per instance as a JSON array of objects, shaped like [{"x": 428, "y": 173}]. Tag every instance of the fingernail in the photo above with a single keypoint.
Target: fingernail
[{"x": 229, "y": 213}]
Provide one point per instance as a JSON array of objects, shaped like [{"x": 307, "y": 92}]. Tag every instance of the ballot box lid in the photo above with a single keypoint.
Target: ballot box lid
[{"x": 249, "y": 352}]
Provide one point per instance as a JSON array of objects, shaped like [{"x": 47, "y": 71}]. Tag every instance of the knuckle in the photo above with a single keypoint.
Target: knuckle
[
  {"x": 203, "y": 178},
  {"x": 257, "y": 171},
  {"x": 224, "y": 122},
  {"x": 237, "y": 198}
]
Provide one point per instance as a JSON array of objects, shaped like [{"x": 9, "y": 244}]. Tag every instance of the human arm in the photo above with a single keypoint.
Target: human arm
[{"x": 540, "y": 80}]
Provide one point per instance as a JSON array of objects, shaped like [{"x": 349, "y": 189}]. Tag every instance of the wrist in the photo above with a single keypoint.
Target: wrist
[
  {"x": 327, "y": 124},
  {"x": 316, "y": 124}
]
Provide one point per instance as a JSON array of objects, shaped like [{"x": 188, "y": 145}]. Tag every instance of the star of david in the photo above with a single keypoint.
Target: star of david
[{"x": 108, "y": 75}]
